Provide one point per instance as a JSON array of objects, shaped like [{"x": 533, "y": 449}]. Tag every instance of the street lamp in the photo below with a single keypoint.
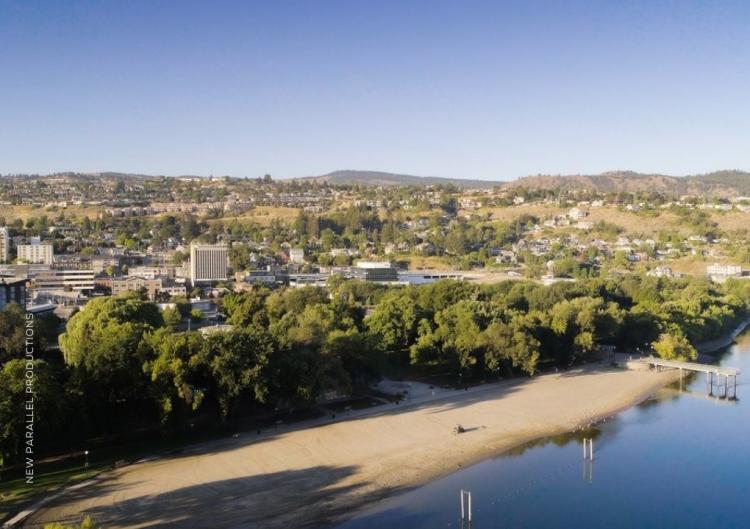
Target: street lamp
[{"x": 86, "y": 453}]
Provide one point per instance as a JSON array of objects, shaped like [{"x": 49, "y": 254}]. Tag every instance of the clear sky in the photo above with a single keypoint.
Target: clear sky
[{"x": 471, "y": 89}]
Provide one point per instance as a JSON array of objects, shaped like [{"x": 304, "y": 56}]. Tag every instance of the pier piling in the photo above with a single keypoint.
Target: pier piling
[
  {"x": 713, "y": 373},
  {"x": 588, "y": 449},
  {"x": 465, "y": 506}
]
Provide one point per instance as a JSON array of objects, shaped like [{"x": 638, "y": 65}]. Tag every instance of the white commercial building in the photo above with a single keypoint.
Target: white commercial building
[
  {"x": 208, "y": 263},
  {"x": 71, "y": 280},
  {"x": 35, "y": 253},
  {"x": 376, "y": 271},
  {"x": 152, "y": 272}
]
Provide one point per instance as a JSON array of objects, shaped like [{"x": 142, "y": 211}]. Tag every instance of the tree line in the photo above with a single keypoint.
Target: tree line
[{"x": 124, "y": 365}]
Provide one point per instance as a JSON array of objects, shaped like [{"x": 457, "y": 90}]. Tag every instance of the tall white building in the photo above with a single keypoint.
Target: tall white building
[
  {"x": 208, "y": 263},
  {"x": 4, "y": 245},
  {"x": 35, "y": 253}
]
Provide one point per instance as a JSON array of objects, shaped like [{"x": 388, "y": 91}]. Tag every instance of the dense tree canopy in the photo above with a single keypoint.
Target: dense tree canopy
[
  {"x": 48, "y": 406},
  {"x": 125, "y": 364}
]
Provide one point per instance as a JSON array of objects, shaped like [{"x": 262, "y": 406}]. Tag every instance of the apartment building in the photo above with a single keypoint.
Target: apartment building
[
  {"x": 153, "y": 287},
  {"x": 36, "y": 253}
]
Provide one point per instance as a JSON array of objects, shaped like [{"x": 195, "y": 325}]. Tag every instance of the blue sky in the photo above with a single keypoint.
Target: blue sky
[{"x": 492, "y": 90}]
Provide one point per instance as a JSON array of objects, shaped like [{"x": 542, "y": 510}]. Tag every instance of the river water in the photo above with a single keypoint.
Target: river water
[{"x": 679, "y": 460}]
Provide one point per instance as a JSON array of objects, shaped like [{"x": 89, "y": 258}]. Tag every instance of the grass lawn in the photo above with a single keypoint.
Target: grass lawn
[
  {"x": 56, "y": 473},
  {"x": 264, "y": 215},
  {"x": 734, "y": 221},
  {"x": 511, "y": 213},
  {"x": 26, "y": 212},
  {"x": 419, "y": 262},
  {"x": 16, "y": 494},
  {"x": 632, "y": 223},
  {"x": 638, "y": 224},
  {"x": 693, "y": 265}
]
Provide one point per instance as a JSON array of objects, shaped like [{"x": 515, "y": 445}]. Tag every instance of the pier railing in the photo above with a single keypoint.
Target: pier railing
[{"x": 711, "y": 371}]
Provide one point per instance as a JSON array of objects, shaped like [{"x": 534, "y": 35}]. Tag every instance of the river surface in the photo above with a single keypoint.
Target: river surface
[{"x": 679, "y": 460}]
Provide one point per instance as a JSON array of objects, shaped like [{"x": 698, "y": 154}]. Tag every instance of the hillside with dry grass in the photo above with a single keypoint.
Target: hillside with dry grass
[{"x": 718, "y": 184}]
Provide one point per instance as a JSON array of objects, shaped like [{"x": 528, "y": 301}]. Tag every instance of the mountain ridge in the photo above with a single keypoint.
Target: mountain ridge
[
  {"x": 724, "y": 183},
  {"x": 383, "y": 178},
  {"x": 720, "y": 184}
]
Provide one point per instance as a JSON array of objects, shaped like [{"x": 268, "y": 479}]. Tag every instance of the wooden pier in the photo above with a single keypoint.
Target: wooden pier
[{"x": 713, "y": 373}]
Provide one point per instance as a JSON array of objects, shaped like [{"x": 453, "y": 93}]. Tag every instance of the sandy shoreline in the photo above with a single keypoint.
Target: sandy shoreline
[{"x": 314, "y": 476}]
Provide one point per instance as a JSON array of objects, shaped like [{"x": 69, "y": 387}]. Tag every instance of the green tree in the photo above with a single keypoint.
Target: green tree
[
  {"x": 196, "y": 315},
  {"x": 512, "y": 343},
  {"x": 238, "y": 363},
  {"x": 358, "y": 353},
  {"x": 180, "y": 257},
  {"x": 394, "y": 320},
  {"x": 87, "y": 523},
  {"x": 104, "y": 344},
  {"x": 12, "y": 329},
  {"x": 48, "y": 400},
  {"x": 172, "y": 318},
  {"x": 672, "y": 346},
  {"x": 239, "y": 257},
  {"x": 179, "y": 372},
  {"x": 247, "y": 308}
]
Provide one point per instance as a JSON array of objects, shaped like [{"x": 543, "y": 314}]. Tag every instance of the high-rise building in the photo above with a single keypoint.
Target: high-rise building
[
  {"x": 35, "y": 253},
  {"x": 4, "y": 245},
  {"x": 208, "y": 263}
]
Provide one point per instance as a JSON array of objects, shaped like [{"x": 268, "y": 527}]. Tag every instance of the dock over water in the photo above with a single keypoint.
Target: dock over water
[
  {"x": 713, "y": 373},
  {"x": 692, "y": 366}
]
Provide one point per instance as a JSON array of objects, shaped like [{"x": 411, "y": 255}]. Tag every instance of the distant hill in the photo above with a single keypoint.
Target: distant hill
[
  {"x": 377, "y": 178},
  {"x": 716, "y": 184},
  {"x": 719, "y": 183}
]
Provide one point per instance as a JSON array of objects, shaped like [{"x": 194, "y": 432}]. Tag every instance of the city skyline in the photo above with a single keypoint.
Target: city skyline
[{"x": 489, "y": 91}]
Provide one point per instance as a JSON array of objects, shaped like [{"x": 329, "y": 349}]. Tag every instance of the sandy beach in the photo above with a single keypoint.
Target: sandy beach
[{"x": 310, "y": 475}]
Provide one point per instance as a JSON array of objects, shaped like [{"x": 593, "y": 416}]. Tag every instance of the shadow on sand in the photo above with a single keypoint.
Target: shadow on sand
[
  {"x": 281, "y": 499},
  {"x": 268, "y": 501}
]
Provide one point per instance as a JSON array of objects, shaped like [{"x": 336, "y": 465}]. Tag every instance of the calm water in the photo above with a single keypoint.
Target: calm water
[{"x": 679, "y": 460}]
